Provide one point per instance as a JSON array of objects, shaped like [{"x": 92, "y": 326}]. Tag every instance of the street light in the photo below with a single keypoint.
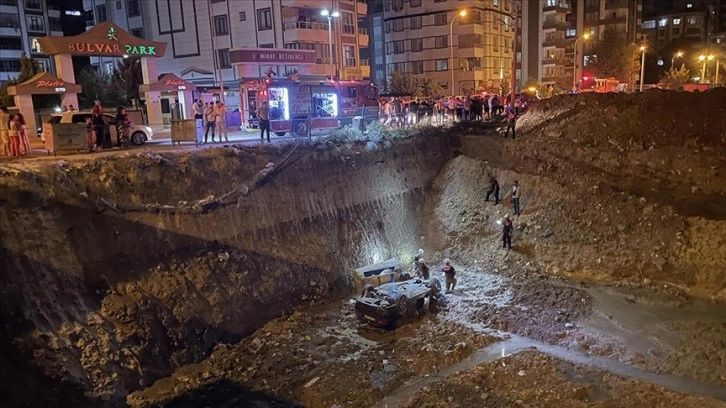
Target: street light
[
  {"x": 585, "y": 37},
  {"x": 462, "y": 13},
  {"x": 679, "y": 54},
  {"x": 330, "y": 15},
  {"x": 642, "y": 66},
  {"x": 704, "y": 58}
]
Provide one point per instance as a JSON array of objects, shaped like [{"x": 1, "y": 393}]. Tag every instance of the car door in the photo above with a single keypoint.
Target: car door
[{"x": 111, "y": 120}]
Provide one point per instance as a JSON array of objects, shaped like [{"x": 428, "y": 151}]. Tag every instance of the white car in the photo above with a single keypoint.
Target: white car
[{"x": 138, "y": 134}]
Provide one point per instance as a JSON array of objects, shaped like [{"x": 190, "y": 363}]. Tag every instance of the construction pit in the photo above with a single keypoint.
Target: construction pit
[{"x": 212, "y": 278}]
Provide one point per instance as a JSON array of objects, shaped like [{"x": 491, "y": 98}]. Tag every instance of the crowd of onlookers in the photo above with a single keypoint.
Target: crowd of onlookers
[
  {"x": 14, "y": 133},
  {"x": 396, "y": 111}
]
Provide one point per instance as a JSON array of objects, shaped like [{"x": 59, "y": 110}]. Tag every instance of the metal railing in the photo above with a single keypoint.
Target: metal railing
[
  {"x": 305, "y": 25},
  {"x": 349, "y": 62},
  {"x": 365, "y": 63},
  {"x": 324, "y": 61},
  {"x": 362, "y": 31}
]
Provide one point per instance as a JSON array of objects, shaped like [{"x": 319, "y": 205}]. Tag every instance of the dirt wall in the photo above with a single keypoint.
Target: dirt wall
[{"x": 112, "y": 300}]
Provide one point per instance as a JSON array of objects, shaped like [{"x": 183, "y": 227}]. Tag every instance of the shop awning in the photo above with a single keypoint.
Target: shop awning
[
  {"x": 44, "y": 83},
  {"x": 168, "y": 83}
]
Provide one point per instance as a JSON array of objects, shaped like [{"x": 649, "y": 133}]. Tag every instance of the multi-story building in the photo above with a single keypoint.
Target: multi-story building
[
  {"x": 553, "y": 26},
  {"x": 124, "y": 13},
  {"x": 22, "y": 22},
  {"x": 418, "y": 34},
  {"x": 376, "y": 44},
  {"x": 660, "y": 30},
  {"x": 194, "y": 28}
]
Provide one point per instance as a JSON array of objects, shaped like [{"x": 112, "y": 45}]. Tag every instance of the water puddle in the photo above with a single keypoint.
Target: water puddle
[{"x": 516, "y": 344}]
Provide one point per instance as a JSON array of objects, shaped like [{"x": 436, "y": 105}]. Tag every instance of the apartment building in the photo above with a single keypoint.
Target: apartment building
[
  {"x": 375, "y": 53},
  {"x": 417, "y": 40},
  {"x": 194, "y": 28},
  {"x": 552, "y": 27},
  {"x": 124, "y": 13},
  {"x": 22, "y": 22},
  {"x": 660, "y": 30}
]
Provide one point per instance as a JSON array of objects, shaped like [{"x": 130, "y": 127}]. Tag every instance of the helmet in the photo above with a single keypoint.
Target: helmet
[
  {"x": 506, "y": 216},
  {"x": 420, "y": 251},
  {"x": 421, "y": 260},
  {"x": 447, "y": 261}
]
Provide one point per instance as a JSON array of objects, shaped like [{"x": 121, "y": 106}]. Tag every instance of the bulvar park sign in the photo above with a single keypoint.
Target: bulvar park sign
[{"x": 104, "y": 39}]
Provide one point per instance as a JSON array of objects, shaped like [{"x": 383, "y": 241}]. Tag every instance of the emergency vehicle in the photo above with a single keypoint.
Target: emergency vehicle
[{"x": 301, "y": 104}]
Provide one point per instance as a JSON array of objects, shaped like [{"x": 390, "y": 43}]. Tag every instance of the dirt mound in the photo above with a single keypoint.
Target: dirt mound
[{"x": 654, "y": 118}]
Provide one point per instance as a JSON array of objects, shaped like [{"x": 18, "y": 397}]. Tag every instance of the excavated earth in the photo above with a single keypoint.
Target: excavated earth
[{"x": 214, "y": 278}]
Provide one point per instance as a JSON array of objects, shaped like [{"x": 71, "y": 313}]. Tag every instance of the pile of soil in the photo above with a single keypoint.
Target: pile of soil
[
  {"x": 614, "y": 188},
  {"x": 532, "y": 379}
]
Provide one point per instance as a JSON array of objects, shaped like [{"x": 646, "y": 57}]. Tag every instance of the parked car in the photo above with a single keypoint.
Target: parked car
[
  {"x": 385, "y": 305},
  {"x": 139, "y": 134}
]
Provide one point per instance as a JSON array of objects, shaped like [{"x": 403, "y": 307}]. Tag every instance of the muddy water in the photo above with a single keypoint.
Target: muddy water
[{"x": 637, "y": 323}]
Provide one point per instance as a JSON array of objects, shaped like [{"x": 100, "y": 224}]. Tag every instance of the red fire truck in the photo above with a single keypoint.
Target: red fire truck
[{"x": 301, "y": 104}]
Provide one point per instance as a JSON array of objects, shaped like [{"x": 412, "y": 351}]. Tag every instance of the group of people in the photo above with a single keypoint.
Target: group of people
[
  {"x": 14, "y": 134},
  {"x": 422, "y": 270},
  {"x": 214, "y": 117},
  {"x": 98, "y": 134},
  {"x": 398, "y": 112},
  {"x": 507, "y": 225}
]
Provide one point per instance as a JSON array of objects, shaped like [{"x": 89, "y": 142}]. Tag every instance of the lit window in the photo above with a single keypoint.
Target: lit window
[
  {"x": 689, "y": 5},
  {"x": 676, "y": 21},
  {"x": 660, "y": 62},
  {"x": 663, "y": 23},
  {"x": 648, "y": 24},
  {"x": 571, "y": 33},
  {"x": 442, "y": 64}
]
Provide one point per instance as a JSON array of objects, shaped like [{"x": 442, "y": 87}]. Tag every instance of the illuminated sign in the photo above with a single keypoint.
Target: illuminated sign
[
  {"x": 174, "y": 82},
  {"x": 49, "y": 84},
  {"x": 267, "y": 56},
  {"x": 97, "y": 48}
]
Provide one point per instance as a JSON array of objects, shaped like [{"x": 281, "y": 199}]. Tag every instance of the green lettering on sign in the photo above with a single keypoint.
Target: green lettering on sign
[{"x": 140, "y": 50}]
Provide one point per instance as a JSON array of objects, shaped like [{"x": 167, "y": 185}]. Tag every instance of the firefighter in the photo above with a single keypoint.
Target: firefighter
[
  {"x": 449, "y": 274},
  {"x": 507, "y": 228},
  {"x": 422, "y": 269},
  {"x": 493, "y": 189}
]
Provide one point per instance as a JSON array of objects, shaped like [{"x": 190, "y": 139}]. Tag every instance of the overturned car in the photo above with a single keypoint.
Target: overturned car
[{"x": 385, "y": 305}]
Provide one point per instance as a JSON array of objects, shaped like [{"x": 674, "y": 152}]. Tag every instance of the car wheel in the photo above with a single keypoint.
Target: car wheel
[
  {"x": 435, "y": 286},
  {"x": 280, "y": 133},
  {"x": 402, "y": 305},
  {"x": 138, "y": 138}
]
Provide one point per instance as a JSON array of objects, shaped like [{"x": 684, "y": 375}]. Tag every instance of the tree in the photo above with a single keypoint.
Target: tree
[
  {"x": 615, "y": 57},
  {"x": 401, "y": 83},
  {"x": 674, "y": 79},
  {"x": 429, "y": 88},
  {"x": 127, "y": 76},
  {"x": 98, "y": 86},
  {"x": 28, "y": 69}
]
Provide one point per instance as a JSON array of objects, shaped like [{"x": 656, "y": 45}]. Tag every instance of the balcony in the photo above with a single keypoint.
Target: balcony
[
  {"x": 558, "y": 25},
  {"x": 305, "y": 31},
  {"x": 615, "y": 4},
  {"x": 614, "y": 20},
  {"x": 560, "y": 7},
  {"x": 549, "y": 61},
  {"x": 361, "y": 7}
]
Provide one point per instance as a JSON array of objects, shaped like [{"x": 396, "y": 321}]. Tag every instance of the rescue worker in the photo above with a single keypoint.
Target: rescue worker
[
  {"x": 449, "y": 274},
  {"x": 418, "y": 256},
  {"x": 507, "y": 228},
  {"x": 422, "y": 269},
  {"x": 493, "y": 189},
  {"x": 511, "y": 122},
  {"x": 515, "y": 197}
]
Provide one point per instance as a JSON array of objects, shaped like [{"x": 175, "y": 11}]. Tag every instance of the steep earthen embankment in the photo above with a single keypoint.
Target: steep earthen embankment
[{"x": 111, "y": 300}]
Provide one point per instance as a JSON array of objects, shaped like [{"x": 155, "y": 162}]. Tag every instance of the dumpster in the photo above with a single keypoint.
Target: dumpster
[
  {"x": 65, "y": 137},
  {"x": 186, "y": 130}
]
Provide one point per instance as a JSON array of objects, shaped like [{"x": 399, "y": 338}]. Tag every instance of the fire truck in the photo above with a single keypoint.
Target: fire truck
[{"x": 300, "y": 104}]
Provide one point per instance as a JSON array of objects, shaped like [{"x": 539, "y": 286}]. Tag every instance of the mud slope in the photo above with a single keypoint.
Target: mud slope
[
  {"x": 614, "y": 187},
  {"x": 112, "y": 299}
]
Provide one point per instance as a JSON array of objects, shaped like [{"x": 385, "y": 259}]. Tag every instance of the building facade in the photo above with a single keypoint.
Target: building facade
[
  {"x": 124, "y": 13},
  {"x": 418, "y": 40},
  {"x": 195, "y": 28},
  {"x": 553, "y": 26},
  {"x": 22, "y": 22}
]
